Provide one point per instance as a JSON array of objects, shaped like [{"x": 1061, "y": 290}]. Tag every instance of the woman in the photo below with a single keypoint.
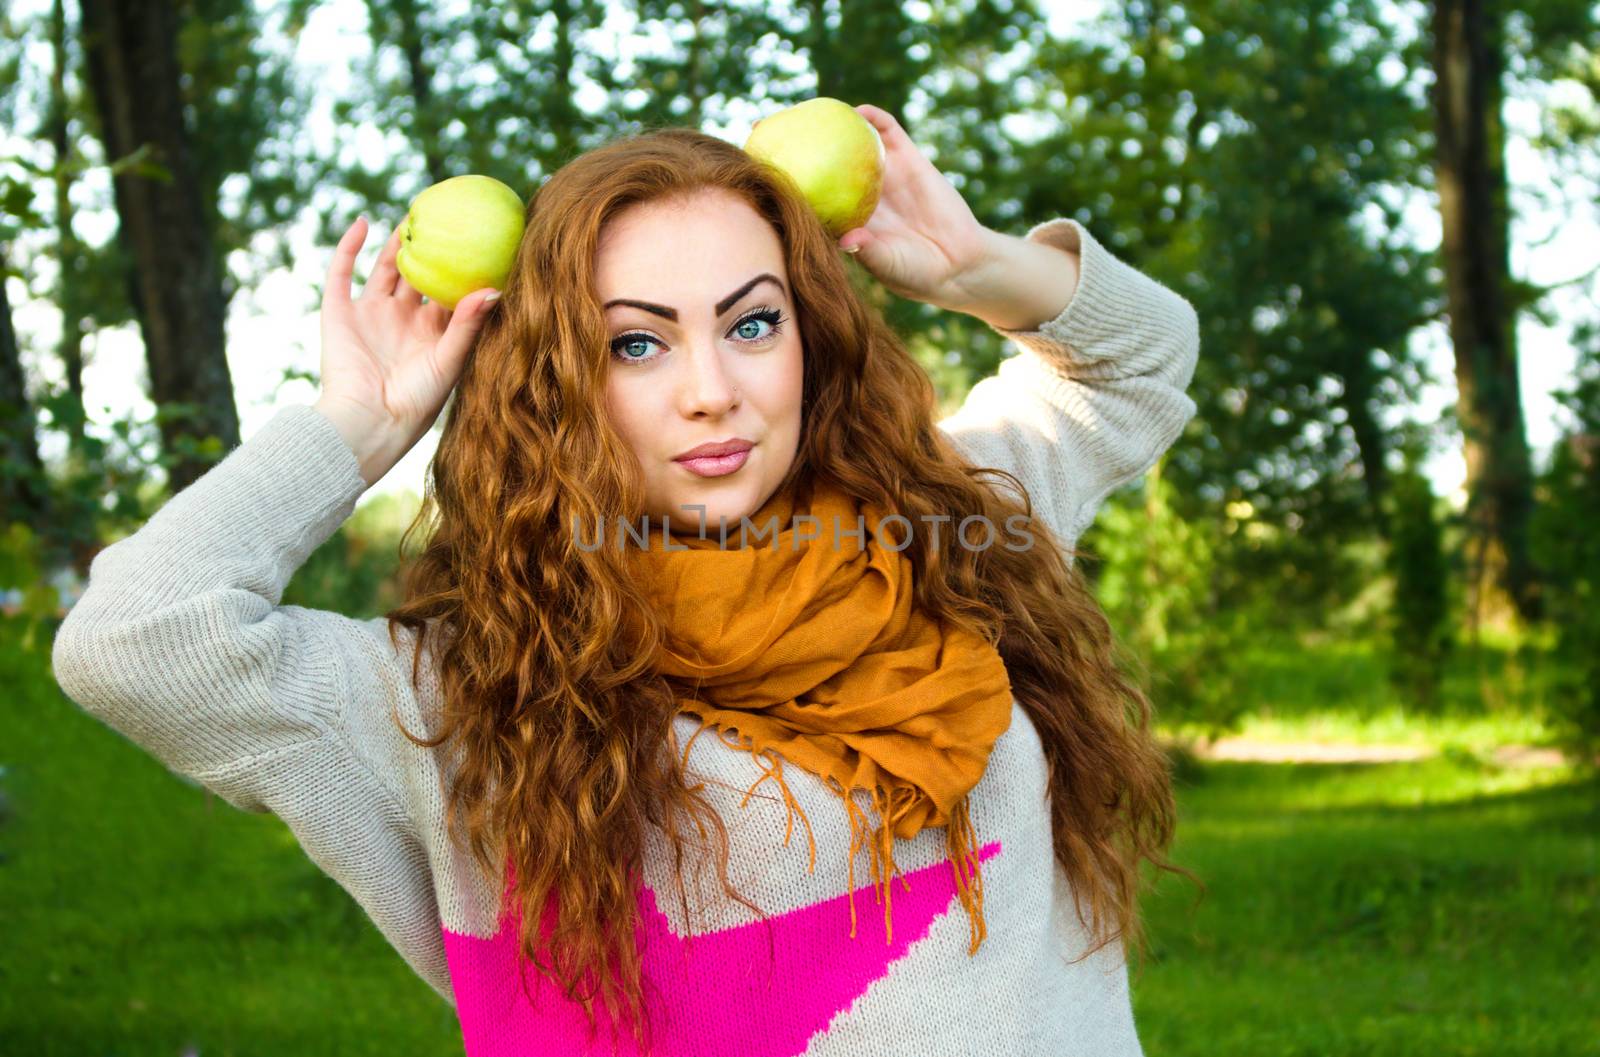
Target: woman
[{"x": 505, "y": 772}]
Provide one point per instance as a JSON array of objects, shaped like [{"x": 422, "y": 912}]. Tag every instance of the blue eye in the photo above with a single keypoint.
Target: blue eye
[
  {"x": 768, "y": 315},
  {"x": 624, "y": 342}
]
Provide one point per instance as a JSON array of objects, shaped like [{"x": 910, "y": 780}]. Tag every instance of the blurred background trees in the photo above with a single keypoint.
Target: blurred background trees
[{"x": 1280, "y": 165}]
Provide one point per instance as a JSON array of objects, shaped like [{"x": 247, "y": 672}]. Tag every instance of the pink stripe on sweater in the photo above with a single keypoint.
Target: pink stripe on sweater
[{"x": 741, "y": 991}]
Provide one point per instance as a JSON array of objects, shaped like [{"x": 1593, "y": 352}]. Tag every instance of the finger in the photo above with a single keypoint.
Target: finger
[
  {"x": 888, "y": 128},
  {"x": 436, "y": 316},
  {"x": 466, "y": 322},
  {"x": 872, "y": 253},
  {"x": 336, "y": 288},
  {"x": 404, "y": 291},
  {"x": 381, "y": 282}
]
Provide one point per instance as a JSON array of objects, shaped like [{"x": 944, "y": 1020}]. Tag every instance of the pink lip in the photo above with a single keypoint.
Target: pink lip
[
  {"x": 715, "y": 465},
  {"x": 716, "y": 447}
]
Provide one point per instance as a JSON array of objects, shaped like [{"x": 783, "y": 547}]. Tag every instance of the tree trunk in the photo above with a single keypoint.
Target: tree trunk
[
  {"x": 22, "y": 494},
  {"x": 1468, "y": 61},
  {"x": 131, "y": 51},
  {"x": 845, "y": 55},
  {"x": 1357, "y": 400},
  {"x": 564, "y": 56},
  {"x": 427, "y": 125},
  {"x": 68, "y": 251},
  {"x": 694, "y": 76}
]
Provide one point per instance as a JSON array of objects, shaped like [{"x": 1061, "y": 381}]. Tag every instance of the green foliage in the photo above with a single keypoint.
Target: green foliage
[
  {"x": 247, "y": 108},
  {"x": 102, "y": 490},
  {"x": 37, "y": 607},
  {"x": 1156, "y": 576},
  {"x": 1567, "y": 545},
  {"x": 1247, "y": 154},
  {"x": 1420, "y": 617}
]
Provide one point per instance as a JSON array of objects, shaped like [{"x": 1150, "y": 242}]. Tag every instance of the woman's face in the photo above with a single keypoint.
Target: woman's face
[{"x": 703, "y": 349}]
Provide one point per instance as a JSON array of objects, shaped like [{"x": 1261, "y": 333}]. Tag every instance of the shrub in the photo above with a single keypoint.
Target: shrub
[
  {"x": 1156, "y": 576},
  {"x": 1567, "y": 547},
  {"x": 1419, "y": 616}
]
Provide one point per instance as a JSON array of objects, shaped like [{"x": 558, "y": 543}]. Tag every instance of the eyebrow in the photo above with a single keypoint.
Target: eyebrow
[{"x": 722, "y": 306}]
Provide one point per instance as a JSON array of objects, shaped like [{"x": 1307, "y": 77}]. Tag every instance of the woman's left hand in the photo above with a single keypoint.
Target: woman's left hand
[{"x": 922, "y": 239}]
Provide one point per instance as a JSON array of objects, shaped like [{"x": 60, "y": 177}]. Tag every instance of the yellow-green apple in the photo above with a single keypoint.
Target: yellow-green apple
[
  {"x": 832, "y": 153},
  {"x": 460, "y": 235}
]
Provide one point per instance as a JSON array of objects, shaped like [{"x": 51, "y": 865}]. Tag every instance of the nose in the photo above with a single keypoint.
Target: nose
[{"x": 704, "y": 388}]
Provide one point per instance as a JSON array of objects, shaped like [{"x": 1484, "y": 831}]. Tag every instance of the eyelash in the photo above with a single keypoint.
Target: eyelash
[{"x": 767, "y": 314}]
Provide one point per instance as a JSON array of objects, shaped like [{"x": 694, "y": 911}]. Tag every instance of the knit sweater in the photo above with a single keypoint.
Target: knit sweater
[{"x": 180, "y": 643}]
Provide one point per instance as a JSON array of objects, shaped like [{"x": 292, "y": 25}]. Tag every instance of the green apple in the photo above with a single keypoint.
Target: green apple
[
  {"x": 832, "y": 153},
  {"x": 460, "y": 235}
]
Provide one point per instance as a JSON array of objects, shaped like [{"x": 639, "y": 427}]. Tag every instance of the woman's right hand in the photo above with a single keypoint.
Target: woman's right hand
[{"x": 389, "y": 361}]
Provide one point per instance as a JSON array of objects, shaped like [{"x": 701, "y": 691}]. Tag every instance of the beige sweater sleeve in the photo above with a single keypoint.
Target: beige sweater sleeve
[
  {"x": 180, "y": 644},
  {"x": 1093, "y": 397}
]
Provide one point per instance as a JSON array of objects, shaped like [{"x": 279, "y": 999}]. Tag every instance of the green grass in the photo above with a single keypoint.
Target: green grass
[
  {"x": 142, "y": 915},
  {"x": 1398, "y": 726},
  {"x": 1331, "y": 690},
  {"x": 1448, "y": 906}
]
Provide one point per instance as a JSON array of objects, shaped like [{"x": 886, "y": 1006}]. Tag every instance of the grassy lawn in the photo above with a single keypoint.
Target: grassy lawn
[
  {"x": 1339, "y": 691},
  {"x": 1447, "y": 906},
  {"x": 1444, "y": 906},
  {"x": 142, "y": 915}
]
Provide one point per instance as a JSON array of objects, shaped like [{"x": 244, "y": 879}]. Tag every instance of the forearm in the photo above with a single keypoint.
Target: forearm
[
  {"x": 1095, "y": 394},
  {"x": 1019, "y": 284}
]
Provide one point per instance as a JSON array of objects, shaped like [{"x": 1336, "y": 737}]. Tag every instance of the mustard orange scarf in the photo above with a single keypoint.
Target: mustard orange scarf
[{"x": 812, "y": 650}]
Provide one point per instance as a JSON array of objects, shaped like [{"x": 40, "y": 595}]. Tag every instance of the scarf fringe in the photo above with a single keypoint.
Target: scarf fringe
[
  {"x": 961, "y": 841},
  {"x": 793, "y": 805}
]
